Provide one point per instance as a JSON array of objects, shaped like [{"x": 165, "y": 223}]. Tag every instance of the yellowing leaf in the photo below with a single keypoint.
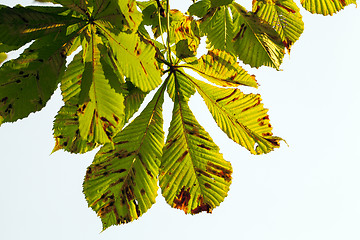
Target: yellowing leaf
[
  {"x": 179, "y": 80},
  {"x": 326, "y": 7},
  {"x": 101, "y": 110},
  {"x": 222, "y": 69},
  {"x": 121, "y": 183},
  {"x": 255, "y": 42},
  {"x": 194, "y": 177},
  {"x": 241, "y": 116},
  {"x": 133, "y": 100},
  {"x": 66, "y": 123},
  {"x": 133, "y": 57},
  {"x": 200, "y": 8},
  {"x": 219, "y": 28},
  {"x": 130, "y": 12},
  {"x": 284, "y": 16}
]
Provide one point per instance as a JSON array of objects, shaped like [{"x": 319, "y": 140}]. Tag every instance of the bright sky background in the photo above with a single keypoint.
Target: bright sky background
[{"x": 307, "y": 191}]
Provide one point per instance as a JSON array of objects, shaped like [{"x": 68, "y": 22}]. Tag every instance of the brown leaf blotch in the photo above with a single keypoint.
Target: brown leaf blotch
[
  {"x": 116, "y": 118},
  {"x": 204, "y": 147},
  {"x": 183, "y": 156},
  {"x": 263, "y": 118},
  {"x": 219, "y": 171},
  {"x": 223, "y": 98},
  {"x": 119, "y": 171},
  {"x": 202, "y": 172},
  {"x": 275, "y": 142},
  {"x": 286, "y": 8},
  {"x": 170, "y": 142},
  {"x": 182, "y": 199},
  {"x": 3, "y": 100},
  {"x": 129, "y": 192},
  {"x": 205, "y": 207}
]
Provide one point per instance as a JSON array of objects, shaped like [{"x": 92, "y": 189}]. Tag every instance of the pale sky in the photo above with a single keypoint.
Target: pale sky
[{"x": 307, "y": 191}]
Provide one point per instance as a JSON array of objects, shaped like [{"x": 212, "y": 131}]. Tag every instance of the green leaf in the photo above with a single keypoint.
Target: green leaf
[
  {"x": 66, "y": 123},
  {"x": 79, "y": 6},
  {"x": 66, "y": 131},
  {"x": 194, "y": 177},
  {"x": 179, "y": 80},
  {"x": 222, "y": 69},
  {"x": 118, "y": 65},
  {"x": 284, "y": 16},
  {"x": 183, "y": 51},
  {"x": 219, "y": 28},
  {"x": 219, "y": 3},
  {"x": 118, "y": 15},
  {"x": 121, "y": 183},
  {"x": 27, "y": 83},
  {"x": 133, "y": 100},
  {"x": 149, "y": 10},
  {"x": 241, "y": 116},
  {"x": 200, "y": 8},
  {"x": 133, "y": 57},
  {"x": 20, "y": 25},
  {"x": 151, "y": 13},
  {"x": 326, "y": 7},
  {"x": 101, "y": 110},
  {"x": 130, "y": 12},
  {"x": 255, "y": 42}
]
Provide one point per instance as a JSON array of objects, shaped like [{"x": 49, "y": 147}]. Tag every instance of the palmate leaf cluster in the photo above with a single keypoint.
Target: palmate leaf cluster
[{"x": 120, "y": 55}]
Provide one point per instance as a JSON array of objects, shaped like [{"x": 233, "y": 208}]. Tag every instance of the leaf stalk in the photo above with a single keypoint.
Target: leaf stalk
[{"x": 168, "y": 29}]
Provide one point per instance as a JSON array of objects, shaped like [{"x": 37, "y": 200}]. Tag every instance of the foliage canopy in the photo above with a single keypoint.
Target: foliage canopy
[{"x": 120, "y": 55}]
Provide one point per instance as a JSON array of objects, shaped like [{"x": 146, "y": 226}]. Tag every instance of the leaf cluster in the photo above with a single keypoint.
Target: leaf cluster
[{"x": 122, "y": 50}]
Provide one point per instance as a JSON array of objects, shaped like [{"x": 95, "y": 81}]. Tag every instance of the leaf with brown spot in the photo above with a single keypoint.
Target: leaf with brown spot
[
  {"x": 255, "y": 41},
  {"x": 221, "y": 68},
  {"x": 241, "y": 116},
  {"x": 133, "y": 57},
  {"x": 128, "y": 169},
  {"x": 99, "y": 101},
  {"x": 326, "y": 7},
  {"x": 185, "y": 33},
  {"x": 182, "y": 199},
  {"x": 28, "y": 83},
  {"x": 93, "y": 112},
  {"x": 185, "y": 179},
  {"x": 131, "y": 14},
  {"x": 284, "y": 16}
]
